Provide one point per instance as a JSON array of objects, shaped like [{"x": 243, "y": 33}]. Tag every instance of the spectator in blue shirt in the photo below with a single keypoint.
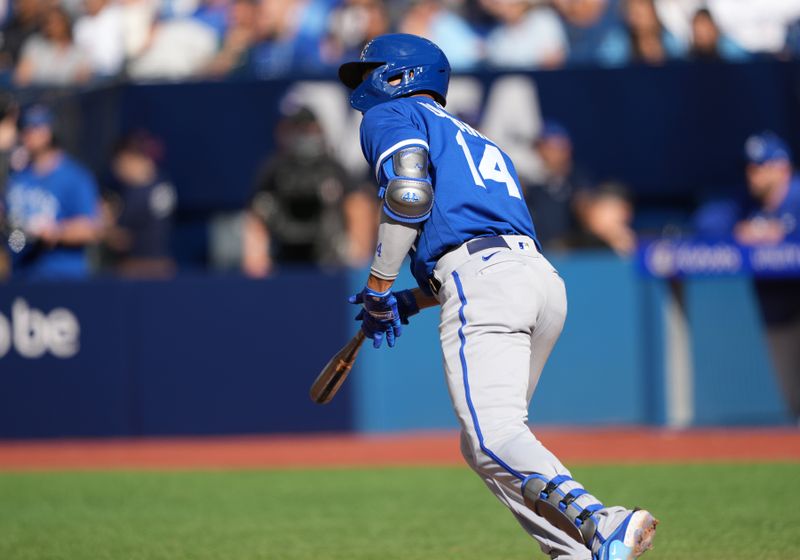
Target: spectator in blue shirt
[
  {"x": 708, "y": 42},
  {"x": 775, "y": 187},
  {"x": 771, "y": 216},
  {"x": 435, "y": 21},
  {"x": 529, "y": 34},
  {"x": 52, "y": 205},
  {"x": 594, "y": 32}
]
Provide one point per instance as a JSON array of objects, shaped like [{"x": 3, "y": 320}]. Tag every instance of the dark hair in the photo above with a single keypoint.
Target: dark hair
[
  {"x": 703, "y": 12},
  {"x": 637, "y": 53},
  {"x": 7, "y": 103},
  {"x": 65, "y": 17},
  {"x": 139, "y": 142}
]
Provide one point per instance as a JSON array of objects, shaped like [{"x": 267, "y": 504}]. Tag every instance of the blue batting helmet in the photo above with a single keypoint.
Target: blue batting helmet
[{"x": 418, "y": 64}]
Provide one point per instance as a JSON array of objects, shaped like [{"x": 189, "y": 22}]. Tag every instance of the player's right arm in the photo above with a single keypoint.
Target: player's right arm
[{"x": 398, "y": 152}]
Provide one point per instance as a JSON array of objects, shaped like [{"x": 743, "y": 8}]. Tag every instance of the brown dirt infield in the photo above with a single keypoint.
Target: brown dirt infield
[{"x": 255, "y": 452}]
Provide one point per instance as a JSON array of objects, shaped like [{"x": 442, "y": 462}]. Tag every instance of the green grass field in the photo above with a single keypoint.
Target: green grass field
[{"x": 708, "y": 512}]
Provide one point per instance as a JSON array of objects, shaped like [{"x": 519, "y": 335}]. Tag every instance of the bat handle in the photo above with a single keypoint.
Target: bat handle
[{"x": 355, "y": 346}]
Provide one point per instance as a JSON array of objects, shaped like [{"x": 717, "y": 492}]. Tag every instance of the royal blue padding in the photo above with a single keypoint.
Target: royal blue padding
[{"x": 465, "y": 371}]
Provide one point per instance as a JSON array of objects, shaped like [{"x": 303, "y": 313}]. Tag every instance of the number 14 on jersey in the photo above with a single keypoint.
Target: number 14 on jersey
[{"x": 491, "y": 168}]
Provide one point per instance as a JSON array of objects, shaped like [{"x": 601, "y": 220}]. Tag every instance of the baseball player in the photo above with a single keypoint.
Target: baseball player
[{"x": 452, "y": 201}]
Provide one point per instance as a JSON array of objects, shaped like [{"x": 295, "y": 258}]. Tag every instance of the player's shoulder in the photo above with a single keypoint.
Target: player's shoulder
[{"x": 395, "y": 108}]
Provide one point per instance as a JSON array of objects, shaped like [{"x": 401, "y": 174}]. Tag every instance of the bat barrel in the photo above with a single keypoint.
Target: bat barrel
[{"x": 335, "y": 371}]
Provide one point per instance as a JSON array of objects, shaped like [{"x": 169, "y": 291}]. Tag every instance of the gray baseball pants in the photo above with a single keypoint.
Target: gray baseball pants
[{"x": 502, "y": 310}]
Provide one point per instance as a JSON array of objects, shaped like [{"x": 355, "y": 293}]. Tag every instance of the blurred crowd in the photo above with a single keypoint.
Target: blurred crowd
[
  {"x": 60, "y": 220},
  {"x": 70, "y": 42}
]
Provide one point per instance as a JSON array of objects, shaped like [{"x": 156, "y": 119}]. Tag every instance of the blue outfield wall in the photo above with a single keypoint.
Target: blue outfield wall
[{"x": 219, "y": 355}]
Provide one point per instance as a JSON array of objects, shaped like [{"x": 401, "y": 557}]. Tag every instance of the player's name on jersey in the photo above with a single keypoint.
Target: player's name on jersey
[{"x": 669, "y": 258}]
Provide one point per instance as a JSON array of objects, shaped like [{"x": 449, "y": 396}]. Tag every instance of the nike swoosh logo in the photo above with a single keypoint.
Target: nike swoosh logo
[{"x": 487, "y": 257}]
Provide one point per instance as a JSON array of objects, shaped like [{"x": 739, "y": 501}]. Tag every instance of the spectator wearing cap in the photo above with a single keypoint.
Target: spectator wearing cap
[
  {"x": 51, "y": 57},
  {"x": 770, "y": 216},
  {"x": 550, "y": 198},
  {"x": 710, "y": 44},
  {"x": 138, "y": 207},
  {"x": 529, "y": 34},
  {"x": 775, "y": 187},
  {"x": 52, "y": 205}
]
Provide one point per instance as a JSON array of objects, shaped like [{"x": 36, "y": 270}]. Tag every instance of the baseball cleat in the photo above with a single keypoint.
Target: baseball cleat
[{"x": 631, "y": 539}]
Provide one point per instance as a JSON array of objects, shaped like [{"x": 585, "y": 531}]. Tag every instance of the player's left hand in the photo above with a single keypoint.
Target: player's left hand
[{"x": 379, "y": 316}]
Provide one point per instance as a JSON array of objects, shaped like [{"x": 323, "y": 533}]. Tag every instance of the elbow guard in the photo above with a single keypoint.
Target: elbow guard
[{"x": 408, "y": 195}]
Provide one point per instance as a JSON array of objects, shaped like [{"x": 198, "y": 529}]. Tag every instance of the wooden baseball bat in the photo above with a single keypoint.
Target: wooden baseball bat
[{"x": 335, "y": 372}]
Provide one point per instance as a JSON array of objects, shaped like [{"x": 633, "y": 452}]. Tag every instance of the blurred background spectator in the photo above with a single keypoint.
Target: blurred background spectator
[
  {"x": 551, "y": 199},
  {"x": 173, "y": 39},
  {"x": 24, "y": 22},
  {"x": 52, "y": 206},
  {"x": 239, "y": 36},
  {"x": 304, "y": 208},
  {"x": 434, "y": 20},
  {"x": 646, "y": 40},
  {"x": 51, "y": 57},
  {"x": 137, "y": 24},
  {"x": 138, "y": 207},
  {"x": 769, "y": 216},
  {"x": 8, "y": 140},
  {"x": 529, "y": 34},
  {"x": 605, "y": 219},
  {"x": 592, "y": 28},
  {"x": 177, "y": 48},
  {"x": 216, "y": 14},
  {"x": 351, "y": 25},
  {"x": 775, "y": 188},
  {"x": 99, "y": 33},
  {"x": 709, "y": 43}
]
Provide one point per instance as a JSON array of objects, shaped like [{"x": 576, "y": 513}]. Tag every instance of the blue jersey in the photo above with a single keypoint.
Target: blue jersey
[
  {"x": 476, "y": 189},
  {"x": 34, "y": 200},
  {"x": 787, "y": 212}
]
